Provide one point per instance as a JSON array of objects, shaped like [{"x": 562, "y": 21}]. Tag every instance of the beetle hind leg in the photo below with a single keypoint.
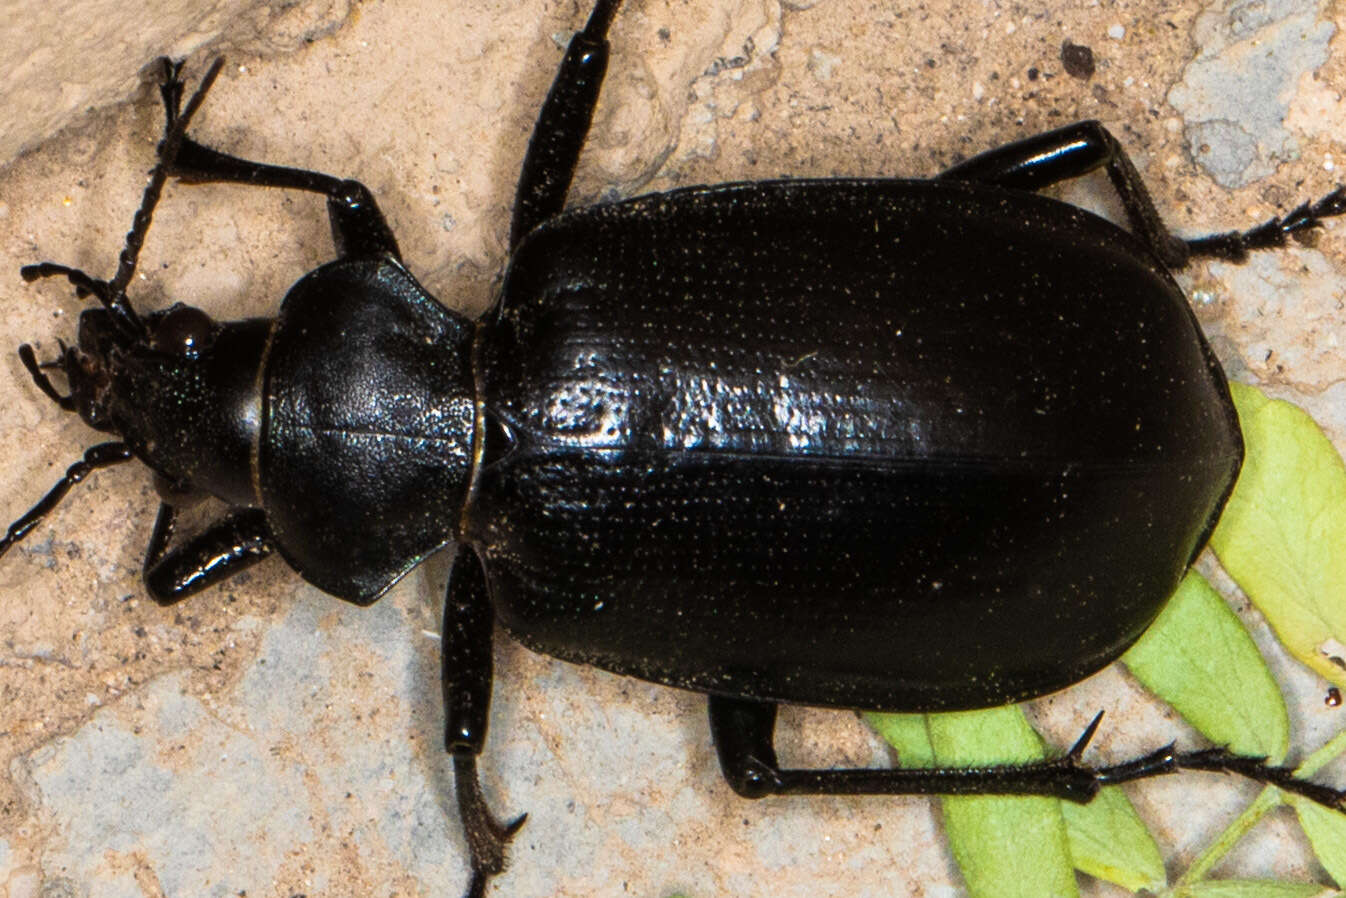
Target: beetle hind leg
[{"x": 742, "y": 730}]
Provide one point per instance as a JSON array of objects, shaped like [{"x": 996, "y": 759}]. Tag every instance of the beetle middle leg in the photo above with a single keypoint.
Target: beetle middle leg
[
  {"x": 1074, "y": 150},
  {"x": 743, "y": 731},
  {"x": 226, "y": 548},
  {"x": 467, "y": 670}
]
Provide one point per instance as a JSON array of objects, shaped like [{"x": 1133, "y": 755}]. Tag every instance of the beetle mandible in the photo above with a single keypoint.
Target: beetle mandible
[{"x": 634, "y": 480}]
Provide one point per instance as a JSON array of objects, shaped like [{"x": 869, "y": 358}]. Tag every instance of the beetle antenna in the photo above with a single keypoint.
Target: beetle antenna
[
  {"x": 101, "y": 456},
  {"x": 84, "y": 283},
  {"x": 168, "y": 150},
  {"x": 112, "y": 293}
]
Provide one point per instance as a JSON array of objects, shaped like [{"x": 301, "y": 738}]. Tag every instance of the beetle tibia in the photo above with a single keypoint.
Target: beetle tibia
[{"x": 486, "y": 836}]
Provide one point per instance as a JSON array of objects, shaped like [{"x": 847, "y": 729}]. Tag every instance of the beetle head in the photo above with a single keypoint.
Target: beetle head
[{"x": 181, "y": 391}]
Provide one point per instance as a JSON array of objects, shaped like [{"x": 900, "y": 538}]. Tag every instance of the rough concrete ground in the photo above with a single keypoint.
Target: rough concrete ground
[{"x": 263, "y": 739}]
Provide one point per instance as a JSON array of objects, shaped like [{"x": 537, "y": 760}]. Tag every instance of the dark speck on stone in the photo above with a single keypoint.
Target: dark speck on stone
[{"x": 1078, "y": 60}]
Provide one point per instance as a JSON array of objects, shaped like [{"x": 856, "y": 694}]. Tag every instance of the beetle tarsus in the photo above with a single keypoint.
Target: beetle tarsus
[
  {"x": 1155, "y": 763},
  {"x": 101, "y": 456},
  {"x": 1234, "y": 246},
  {"x": 170, "y": 90},
  {"x": 1220, "y": 760},
  {"x": 486, "y": 836},
  {"x": 742, "y": 730}
]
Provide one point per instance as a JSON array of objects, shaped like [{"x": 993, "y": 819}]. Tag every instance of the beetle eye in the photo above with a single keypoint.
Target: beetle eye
[{"x": 183, "y": 331}]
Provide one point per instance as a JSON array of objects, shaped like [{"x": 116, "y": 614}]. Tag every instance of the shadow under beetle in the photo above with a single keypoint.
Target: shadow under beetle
[{"x": 772, "y": 442}]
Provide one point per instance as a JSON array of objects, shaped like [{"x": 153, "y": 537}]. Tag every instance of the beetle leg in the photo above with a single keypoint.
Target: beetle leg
[
  {"x": 742, "y": 730},
  {"x": 101, "y": 456},
  {"x": 468, "y": 624},
  {"x": 228, "y": 547},
  {"x": 1219, "y": 760},
  {"x": 358, "y": 227},
  {"x": 1235, "y": 245},
  {"x": 1074, "y": 150},
  {"x": 1068, "y": 152},
  {"x": 562, "y": 124}
]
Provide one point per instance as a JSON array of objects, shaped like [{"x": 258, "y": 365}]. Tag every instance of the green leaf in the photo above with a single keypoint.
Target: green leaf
[
  {"x": 1108, "y": 841},
  {"x": 1326, "y": 830},
  {"x": 1251, "y": 888},
  {"x": 1283, "y": 530},
  {"x": 1198, "y": 657},
  {"x": 1105, "y": 838},
  {"x": 907, "y": 734},
  {"x": 1006, "y": 847}
]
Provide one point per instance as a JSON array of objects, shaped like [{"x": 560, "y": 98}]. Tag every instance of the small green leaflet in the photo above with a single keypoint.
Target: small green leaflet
[
  {"x": 1109, "y": 841},
  {"x": 1251, "y": 888},
  {"x": 1006, "y": 847},
  {"x": 1326, "y": 830},
  {"x": 1198, "y": 657},
  {"x": 1010, "y": 847},
  {"x": 1283, "y": 533}
]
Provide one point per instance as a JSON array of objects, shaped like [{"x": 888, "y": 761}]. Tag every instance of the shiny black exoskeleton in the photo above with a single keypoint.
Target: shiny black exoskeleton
[{"x": 773, "y": 442}]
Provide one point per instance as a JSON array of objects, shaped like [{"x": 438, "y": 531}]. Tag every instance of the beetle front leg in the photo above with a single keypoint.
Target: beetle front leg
[
  {"x": 742, "y": 730},
  {"x": 358, "y": 227},
  {"x": 1074, "y": 150},
  {"x": 228, "y": 547},
  {"x": 469, "y": 622}
]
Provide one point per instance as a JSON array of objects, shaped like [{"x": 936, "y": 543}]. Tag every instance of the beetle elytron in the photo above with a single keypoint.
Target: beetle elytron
[{"x": 772, "y": 442}]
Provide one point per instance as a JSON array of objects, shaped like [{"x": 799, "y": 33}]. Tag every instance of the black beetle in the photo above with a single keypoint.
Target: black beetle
[{"x": 618, "y": 417}]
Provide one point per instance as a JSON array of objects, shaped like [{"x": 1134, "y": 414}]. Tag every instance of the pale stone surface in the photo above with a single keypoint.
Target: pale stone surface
[
  {"x": 262, "y": 737},
  {"x": 1234, "y": 94},
  {"x": 59, "y": 60}
]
